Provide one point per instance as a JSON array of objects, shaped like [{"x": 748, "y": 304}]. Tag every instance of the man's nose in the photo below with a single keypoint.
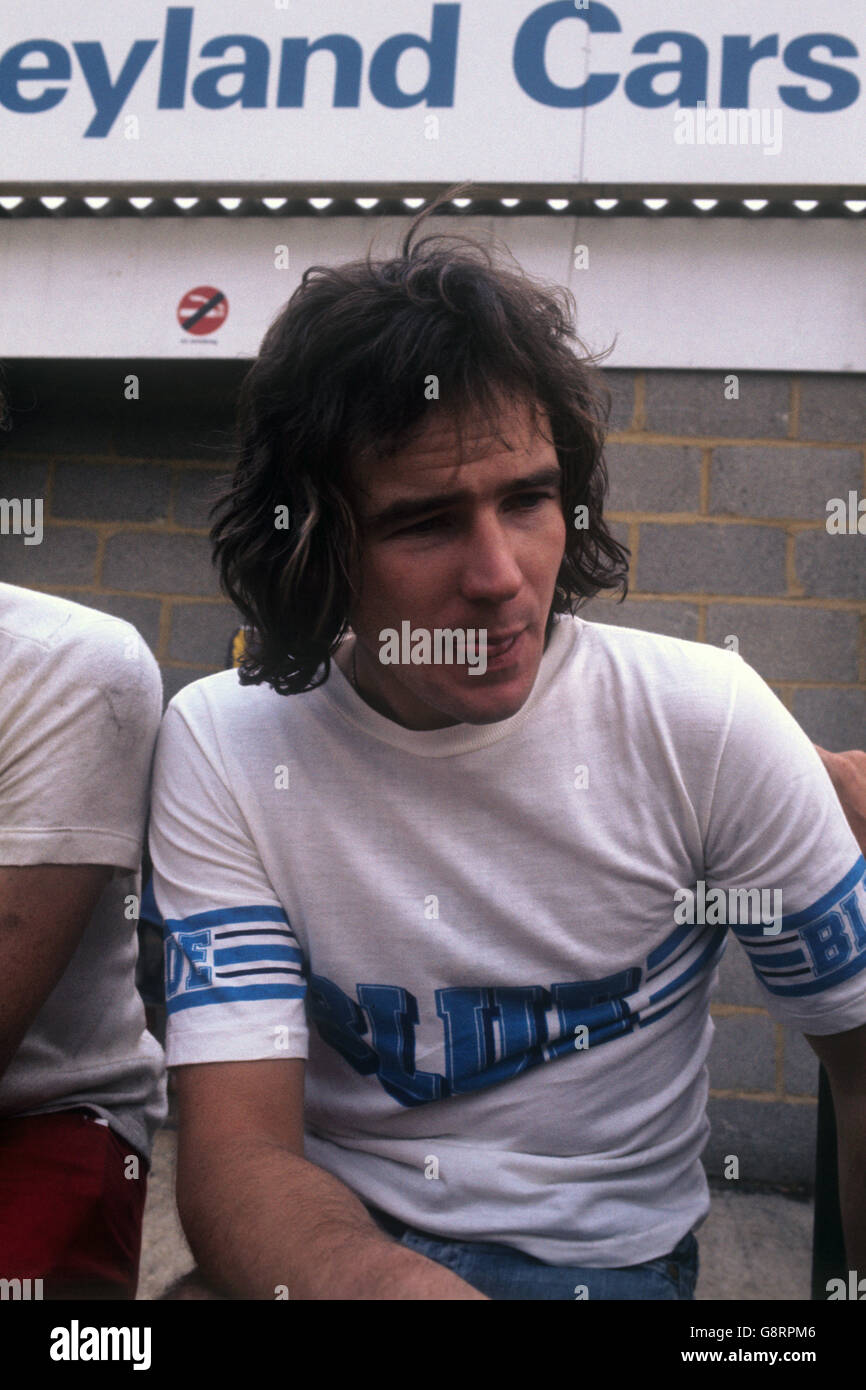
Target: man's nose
[{"x": 490, "y": 571}]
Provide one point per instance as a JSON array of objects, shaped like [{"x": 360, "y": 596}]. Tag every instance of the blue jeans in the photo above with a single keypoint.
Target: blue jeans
[{"x": 502, "y": 1272}]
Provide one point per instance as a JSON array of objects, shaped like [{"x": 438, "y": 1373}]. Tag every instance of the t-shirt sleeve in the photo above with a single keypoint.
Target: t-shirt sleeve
[
  {"x": 76, "y": 745},
  {"x": 234, "y": 972},
  {"x": 776, "y": 826}
]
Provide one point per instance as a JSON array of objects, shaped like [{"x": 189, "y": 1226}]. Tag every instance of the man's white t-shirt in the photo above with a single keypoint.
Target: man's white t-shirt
[
  {"x": 471, "y": 932},
  {"x": 80, "y": 704}
]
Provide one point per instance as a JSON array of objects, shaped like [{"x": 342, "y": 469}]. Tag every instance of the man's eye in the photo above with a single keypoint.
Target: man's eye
[
  {"x": 532, "y": 499},
  {"x": 420, "y": 528},
  {"x": 525, "y": 500}
]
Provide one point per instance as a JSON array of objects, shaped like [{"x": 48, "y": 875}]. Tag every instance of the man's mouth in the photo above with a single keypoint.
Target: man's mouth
[{"x": 498, "y": 645}]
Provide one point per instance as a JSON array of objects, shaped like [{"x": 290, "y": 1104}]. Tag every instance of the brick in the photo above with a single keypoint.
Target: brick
[
  {"x": 110, "y": 492},
  {"x": 693, "y": 403},
  {"x": 143, "y": 613},
  {"x": 653, "y": 478},
  {"x": 742, "y": 1054},
  {"x": 788, "y": 643},
  {"x": 787, "y": 481},
  {"x": 782, "y": 694},
  {"x": 706, "y": 558},
  {"x": 833, "y": 407},
  {"x": 800, "y": 1065},
  {"x": 670, "y": 619},
  {"x": 618, "y": 529},
  {"x": 23, "y": 478},
  {"x": 831, "y": 566},
  {"x": 159, "y": 563},
  {"x": 836, "y": 719},
  {"x": 174, "y": 678},
  {"x": 200, "y": 632},
  {"x": 195, "y": 490},
  {"x": 67, "y": 555},
  {"x": 774, "y": 1140},
  {"x": 737, "y": 981},
  {"x": 621, "y": 386}
]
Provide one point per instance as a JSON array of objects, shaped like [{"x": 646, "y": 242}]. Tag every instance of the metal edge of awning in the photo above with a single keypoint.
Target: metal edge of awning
[{"x": 648, "y": 203}]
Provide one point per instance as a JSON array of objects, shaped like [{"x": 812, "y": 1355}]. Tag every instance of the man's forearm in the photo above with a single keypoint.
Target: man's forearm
[{"x": 260, "y": 1218}]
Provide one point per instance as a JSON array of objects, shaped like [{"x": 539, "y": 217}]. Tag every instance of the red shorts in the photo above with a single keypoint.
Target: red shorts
[{"x": 69, "y": 1215}]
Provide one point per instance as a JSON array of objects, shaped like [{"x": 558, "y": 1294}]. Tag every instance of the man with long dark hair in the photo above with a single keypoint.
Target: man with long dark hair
[{"x": 439, "y": 953}]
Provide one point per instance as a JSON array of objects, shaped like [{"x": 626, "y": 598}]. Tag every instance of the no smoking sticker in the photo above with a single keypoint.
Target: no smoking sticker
[{"x": 202, "y": 310}]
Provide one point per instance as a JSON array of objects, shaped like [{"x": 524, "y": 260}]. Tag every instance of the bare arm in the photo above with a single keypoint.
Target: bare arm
[
  {"x": 44, "y": 909},
  {"x": 258, "y": 1215},
  {"x": 843, "y": 1055},
  {"x": 848, "y": 774}
]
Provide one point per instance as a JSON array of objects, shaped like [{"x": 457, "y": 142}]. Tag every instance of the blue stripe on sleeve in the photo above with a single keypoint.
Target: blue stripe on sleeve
[
  {"x": 239, "y": 955},
  {"x": 781, "y": 961},
  {"x": 817, "y": 986},
  {"x": 829, "y": 899},
  {"x": 232, "y": 994},
  {"x": 219, "y": 916}
]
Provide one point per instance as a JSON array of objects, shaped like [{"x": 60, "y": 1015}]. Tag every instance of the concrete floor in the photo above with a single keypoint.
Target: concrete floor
[{"x": 752, "y": 1246}]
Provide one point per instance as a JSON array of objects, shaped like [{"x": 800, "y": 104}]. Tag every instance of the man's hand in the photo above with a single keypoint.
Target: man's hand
[
  {"x": 848, "y": 774},
  {"x": 44, "y": 910}
]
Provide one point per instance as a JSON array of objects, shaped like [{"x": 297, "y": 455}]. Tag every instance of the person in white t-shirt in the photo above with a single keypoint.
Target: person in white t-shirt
[
  {"x": 442, "y": 935},
  {"x": 82, "y": 1081}
]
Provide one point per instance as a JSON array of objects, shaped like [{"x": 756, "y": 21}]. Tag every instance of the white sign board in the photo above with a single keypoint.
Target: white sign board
[
  {"x": 726, "y": 293},
  {"x": 98, "y": 95}
]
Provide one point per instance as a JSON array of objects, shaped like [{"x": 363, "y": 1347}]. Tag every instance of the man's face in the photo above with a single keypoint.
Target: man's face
[{"x": 476, "y": 544}]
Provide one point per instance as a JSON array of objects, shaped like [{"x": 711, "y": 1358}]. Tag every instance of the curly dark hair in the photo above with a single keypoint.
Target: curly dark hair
[{"x": 340, "y": 378}]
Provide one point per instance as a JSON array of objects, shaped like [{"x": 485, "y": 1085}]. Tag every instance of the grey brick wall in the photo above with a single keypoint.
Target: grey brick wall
[{"x": 724, "y": 506}]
